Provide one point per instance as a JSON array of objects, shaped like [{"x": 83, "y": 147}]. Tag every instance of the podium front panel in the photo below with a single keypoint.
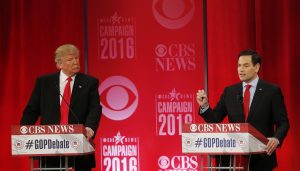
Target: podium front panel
[
  {"x": 222, "y": 139},
  {"x": 50, "y": 140}
]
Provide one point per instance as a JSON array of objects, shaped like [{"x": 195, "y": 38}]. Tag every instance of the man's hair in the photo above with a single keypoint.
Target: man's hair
[
  {"x": 63, "y": 50},
  {"x": 255, "y": 58}
]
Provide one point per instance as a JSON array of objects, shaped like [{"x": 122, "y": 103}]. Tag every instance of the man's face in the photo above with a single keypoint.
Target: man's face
[
  {"x": 69, "y": 64},
  {"x": 246, "y": 70}
]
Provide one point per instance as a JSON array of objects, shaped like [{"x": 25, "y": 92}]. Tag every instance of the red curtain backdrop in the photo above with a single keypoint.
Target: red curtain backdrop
[
  {"x": 272, "y": 28},
  {"x": 30, "y": 30}
]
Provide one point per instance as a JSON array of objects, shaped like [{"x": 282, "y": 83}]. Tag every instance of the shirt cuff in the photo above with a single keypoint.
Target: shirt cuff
[{"x": 202, "y": 110}]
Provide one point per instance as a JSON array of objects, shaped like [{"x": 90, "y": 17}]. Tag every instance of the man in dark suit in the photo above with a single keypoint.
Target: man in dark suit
[
  {"x": 264, "y": 109},
  {"x": 77, "y": 92}
]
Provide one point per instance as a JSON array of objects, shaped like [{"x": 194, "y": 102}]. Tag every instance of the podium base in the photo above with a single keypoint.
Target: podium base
[
  {"x": 225, "y": 162},
  {"x": 61, "y": 165}
]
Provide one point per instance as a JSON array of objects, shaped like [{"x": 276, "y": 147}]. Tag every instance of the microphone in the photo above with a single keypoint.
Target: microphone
[{"x": 63, "y": 99}]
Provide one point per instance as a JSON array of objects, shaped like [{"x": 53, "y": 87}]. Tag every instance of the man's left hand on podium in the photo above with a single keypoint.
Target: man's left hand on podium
[
  {"x": 89, "y": 133},
  {"x": 272, "y": 145}
]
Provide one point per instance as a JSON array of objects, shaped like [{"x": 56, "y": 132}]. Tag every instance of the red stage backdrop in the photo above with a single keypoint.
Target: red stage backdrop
[
  {"x": 30, "y": 31},
  {"x": 149, "y": 58}
]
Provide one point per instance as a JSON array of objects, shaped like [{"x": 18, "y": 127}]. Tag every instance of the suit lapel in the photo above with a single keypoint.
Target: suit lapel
[
  {"x": 256, "y": 99},
  {"x": 55, "y": 92},
  {"x": 77, "y": 87},
  {"x": 239, "y": 100}
]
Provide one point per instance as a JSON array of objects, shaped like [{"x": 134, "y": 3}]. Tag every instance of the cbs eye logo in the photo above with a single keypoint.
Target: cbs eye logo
[
  {"x": 24, "y": 130},
  {"x": 119, "y": 97},
  {"x": 173, "y": 14},
  {"x": 193, "y": 127},
  {"x": 161, "y": 50},
  {"x": 163, "y": 162}
]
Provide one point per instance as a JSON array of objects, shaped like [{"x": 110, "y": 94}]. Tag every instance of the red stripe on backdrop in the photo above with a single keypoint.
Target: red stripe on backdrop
[
  {"x": 31, "y": 30},
  {"x": 145, "y": 51}
]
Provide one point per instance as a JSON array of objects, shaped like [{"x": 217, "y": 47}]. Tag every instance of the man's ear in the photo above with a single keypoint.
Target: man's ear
[
  {"x": 58, "y": 65},
  {"x": 257, "y": 67}
]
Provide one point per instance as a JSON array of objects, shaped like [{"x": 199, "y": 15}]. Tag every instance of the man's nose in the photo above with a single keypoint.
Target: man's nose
[{"x": 75, "y": 61}]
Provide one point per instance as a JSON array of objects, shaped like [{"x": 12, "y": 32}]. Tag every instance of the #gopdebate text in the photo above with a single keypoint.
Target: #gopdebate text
[
  {"x": 215, "y": 143},
  {"x": 47, "y": 144}
]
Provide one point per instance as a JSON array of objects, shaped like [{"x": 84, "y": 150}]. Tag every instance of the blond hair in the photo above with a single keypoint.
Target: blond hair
[{"x": 66, "y": 49}]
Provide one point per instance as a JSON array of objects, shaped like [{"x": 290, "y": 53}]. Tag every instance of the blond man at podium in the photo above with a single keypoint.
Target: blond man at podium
[{"x": 66, "y": 97}]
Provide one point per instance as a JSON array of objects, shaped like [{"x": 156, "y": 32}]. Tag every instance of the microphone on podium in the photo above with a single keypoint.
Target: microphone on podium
[{"x": 64, "y": 100}]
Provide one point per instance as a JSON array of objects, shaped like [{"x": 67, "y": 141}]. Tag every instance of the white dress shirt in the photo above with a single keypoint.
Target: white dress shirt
[
  {"x": 252, "y": 89},
  {"x": 62, "y": 83}
]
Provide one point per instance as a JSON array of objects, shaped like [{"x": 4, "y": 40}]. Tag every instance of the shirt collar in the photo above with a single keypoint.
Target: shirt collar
[
  {"x": 253, "y": 83},
  {"x": 63, "y": 77}
]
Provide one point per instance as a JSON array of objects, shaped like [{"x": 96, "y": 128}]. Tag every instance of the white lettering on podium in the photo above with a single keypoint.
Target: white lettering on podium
[
  {"x": 60, "y": 129},
  {"x": 227, "y": 127},
  {"x": 205, "y": 127},
  {"x": 36, "y": 129}
]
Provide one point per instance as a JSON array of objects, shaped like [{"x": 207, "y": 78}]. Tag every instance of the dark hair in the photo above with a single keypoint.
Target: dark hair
[{"x": 254, "y": 56}]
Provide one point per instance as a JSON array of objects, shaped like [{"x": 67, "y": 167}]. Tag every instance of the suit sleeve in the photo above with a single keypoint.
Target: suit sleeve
[
  {"x": 31, "y": 112},
  {"x": 217, "y": 114},
  {"x": 94, "y": 107},
  {"x": 280, "y": 115}
]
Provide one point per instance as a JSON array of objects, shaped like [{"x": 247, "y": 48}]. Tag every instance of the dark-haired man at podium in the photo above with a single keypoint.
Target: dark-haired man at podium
[
  {"x": 66, "y": 97},
  {"x": 253, "y": 101}
]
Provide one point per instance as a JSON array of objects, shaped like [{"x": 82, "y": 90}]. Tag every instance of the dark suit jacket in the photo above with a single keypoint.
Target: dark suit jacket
[
  {"x": 84, "y": 105},
  {"x": 267, "y": 109}
]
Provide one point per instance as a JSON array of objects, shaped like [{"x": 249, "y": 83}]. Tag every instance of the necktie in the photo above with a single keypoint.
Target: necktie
[
  {"x": 246, "y": 101},
  {"x": 65, "y": 103}
]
